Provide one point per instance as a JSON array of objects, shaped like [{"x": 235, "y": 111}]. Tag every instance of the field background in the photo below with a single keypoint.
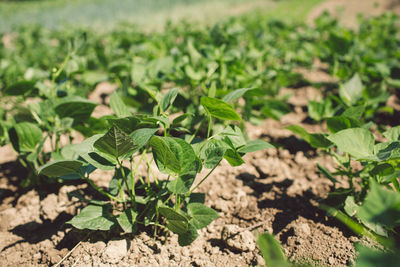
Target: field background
[{"x": 147, "y": 14}]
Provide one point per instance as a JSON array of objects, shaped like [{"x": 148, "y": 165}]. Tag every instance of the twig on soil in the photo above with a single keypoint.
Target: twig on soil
[{"x": 69, "y": 253}]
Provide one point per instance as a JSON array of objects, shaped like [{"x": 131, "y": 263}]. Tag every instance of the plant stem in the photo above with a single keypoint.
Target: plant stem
[
  {"x": 101, "y": 191},
  {"x": 209, "y": 126},
  {"x": 396, "y": 184},
  {"x": 354, "y": 226},
  {"x": 202, "y": 180}
]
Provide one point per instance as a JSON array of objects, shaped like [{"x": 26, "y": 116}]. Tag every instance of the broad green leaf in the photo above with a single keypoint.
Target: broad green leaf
[
  {"x": 319, "y": 110},
  {"x": 383, "y": 172},
  {"x": 94, "y": 217},
  {"x": 192, "y": 74},
  {"x": 168, "y": 99},
  {"x": 368, "y": 257},
  {"x": 176, "y": 222},
  {"x": 189, "y": 236},
  {"x": 275, "y": 108},
  {"x": 100, "y": 160},
  {"x": 254, "y": 145},
  {"x": 201, "y": 215},
  {"x": 75, "y": 107},
  {"x": 393, "y": 134},
  {"x": 25, "y": 136},
  {"x": 271, "y": 250},
  {"x": 118, "y": 106},
  {"x": 235, "y": 135},
  {"x": 384, "y": 151},
  {"x": 163, "y": 155},
  {"x": 235, "y": 94},
  {"x": 93, "y": 77},
  {"x": 354, "y": 112},
  {"x": 219, "y": 109},
  {"x": 115, "y": 143},
  {"x": 60, "y": 168},
  {"x": 127, "y": 124},
  {"x": 127, "y": 221},
  {"x": 381, "y": 206},
  {"x": 212, "y": 152},
  {"x": 338, "y": 123},
  {"x": 233, "y": 157},
  {"x": 20, "y": 88},
  {"x": 351, "y": 91},
  {"x": 181, "y": 118},
  {"x": 315, "y": 140},
  {"x": 142, "y": 136},
  {"x": 190, "y": 164},
  {"x": 358, "y": 142}
]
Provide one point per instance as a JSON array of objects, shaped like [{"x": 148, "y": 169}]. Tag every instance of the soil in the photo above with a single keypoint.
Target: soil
[{"x": 276, "y": 191}]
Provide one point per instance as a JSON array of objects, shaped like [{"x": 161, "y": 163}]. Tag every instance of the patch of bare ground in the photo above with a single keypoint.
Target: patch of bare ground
[
  {"x": 276, "y": 191},
  {"x": 347, "y": 10}
]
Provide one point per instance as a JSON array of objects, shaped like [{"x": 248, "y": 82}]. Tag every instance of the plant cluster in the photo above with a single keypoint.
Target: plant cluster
[{"x": 176, "y": 114}]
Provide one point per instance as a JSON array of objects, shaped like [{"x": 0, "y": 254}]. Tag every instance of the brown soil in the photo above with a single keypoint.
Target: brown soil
[
  {"x": 276, "y": 192},
  {"x": 347, "y": 10}
]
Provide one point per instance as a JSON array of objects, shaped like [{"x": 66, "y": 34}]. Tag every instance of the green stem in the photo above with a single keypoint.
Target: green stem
[
  {"x": 396, "y": 184},
  {"x": 196, "y": 132},
  {"x": 101, "y": 191},
  {"x": 133, "y": 193},
  {"x": 354, "y": 226},
  {"x": 202, "y": 180},
  {"x": 209, "y": 126}
]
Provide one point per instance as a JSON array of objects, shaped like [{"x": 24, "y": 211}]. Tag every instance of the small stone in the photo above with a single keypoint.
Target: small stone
[
  {"x": 305, "y": 228},
  {"x": 115, "y": 250},
  {"x": 237, "y": 238},
  {"x": 331, "y": 260}
]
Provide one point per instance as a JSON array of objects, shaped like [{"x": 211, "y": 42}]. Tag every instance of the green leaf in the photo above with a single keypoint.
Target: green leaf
[
  {"x": 315, "y": 140},
  {"x": 275, "y": 108},
  {"x": 383, "y": 173},
  {"x": 368, "y": 257},
  {"x": 127, "y": 221},
  {"x": 219, "y": 109},
  {"x": 358, "y": 142},
  {"x": 181, "y": 118},
  {"x": 94, "y": 217},
  {"x": 163, "y": 155},
  {"x": 75, "y": 107},
  {"x": 351, "y": 91},
  {"x": 235, "y": 94},
  {"x": 271, "y": 250},
  {"x": 212, "y": 152},
  {"x": 176, "y": 222},
  {"x": 115, "y": 143},
  {"x": 100, "y": 160},
  {"x": 387, "y": 150},
  {"x": 127, "y": 124},
  {"x": 354, "y": 112},
  {"x": 142, "y": 136},
  {"x": 168, "y": 99},
  {"x": 319, "y": 110},
  {"x": 20, "y": 88},
  {"x": 190, "y": 164},
  {"x": 393, "y": 134},
  {"x": 118, "y": 106},
  {"x": 254, "y": 145},
  {"x": 201, "y": 215},
  {"x": 188, "y": 237},
  {"x": 381, "y": 206},
  {"x": 25, "y": 136},
  {"x": 233, "y": 157},
  {"x": 338, "y": 123},
  {"x": 60, "y": 168}
]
